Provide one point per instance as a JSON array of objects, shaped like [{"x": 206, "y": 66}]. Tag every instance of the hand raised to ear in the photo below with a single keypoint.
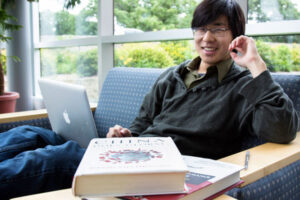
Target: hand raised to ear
[{"x": 247, "y": 55}]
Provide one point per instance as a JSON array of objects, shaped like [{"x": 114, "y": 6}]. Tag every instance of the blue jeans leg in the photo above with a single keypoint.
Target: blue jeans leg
[
  {"x": 40, "y": 170},
  {"x": 26, "y": 138},
  {"x": 34, "y": 160}
]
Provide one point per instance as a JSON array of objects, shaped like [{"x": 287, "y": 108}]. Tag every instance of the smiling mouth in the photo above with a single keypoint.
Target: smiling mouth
[
  {"x": 209, "y": 51},
  {"x": 209, "y": 48}
]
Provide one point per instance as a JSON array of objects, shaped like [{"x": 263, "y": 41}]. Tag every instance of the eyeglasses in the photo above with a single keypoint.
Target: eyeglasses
[{"x": 217, "y": 32}]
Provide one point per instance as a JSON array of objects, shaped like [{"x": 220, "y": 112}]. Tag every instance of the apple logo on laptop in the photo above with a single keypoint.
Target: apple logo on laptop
[{"x": 66, "y": 117}]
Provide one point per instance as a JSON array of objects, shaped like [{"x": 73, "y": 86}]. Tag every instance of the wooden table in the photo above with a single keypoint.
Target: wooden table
[{"x": 67, "y": 195}]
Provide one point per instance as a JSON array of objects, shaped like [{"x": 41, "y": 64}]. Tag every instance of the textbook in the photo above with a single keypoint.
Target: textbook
[
  {"x": 207, "y": 179},
  {"x": 130, "y": 166}
]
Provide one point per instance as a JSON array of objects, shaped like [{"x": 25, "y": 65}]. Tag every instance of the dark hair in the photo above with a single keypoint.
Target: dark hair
[{"x": 209, "y": 10}]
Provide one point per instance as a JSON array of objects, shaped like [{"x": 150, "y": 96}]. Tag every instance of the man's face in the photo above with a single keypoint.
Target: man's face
[{"x": 213, "y": 47}]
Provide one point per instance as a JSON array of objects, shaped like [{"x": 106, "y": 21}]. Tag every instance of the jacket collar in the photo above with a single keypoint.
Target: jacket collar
[
  {"x": 222, "y": 67},
  {"x": 233, "y": 72}
]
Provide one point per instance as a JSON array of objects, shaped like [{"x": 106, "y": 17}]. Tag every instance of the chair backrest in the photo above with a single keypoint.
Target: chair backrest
[
  {"x": 121, "y": 97},
  {"x": 290, "y": 83},
  {"x": 124, "y": 89}
]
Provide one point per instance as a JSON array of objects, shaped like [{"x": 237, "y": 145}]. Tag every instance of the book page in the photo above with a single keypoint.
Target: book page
[{"x": 213, "y": 170}]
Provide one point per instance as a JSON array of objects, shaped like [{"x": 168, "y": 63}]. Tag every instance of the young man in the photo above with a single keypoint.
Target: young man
[{"x": 209, "y": 104}]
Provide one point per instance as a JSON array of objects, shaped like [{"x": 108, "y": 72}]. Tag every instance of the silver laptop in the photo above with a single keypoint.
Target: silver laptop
[{"x": 69, "y": 111}]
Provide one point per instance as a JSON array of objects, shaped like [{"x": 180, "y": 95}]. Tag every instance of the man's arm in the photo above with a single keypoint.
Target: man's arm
[{"x": 270, "y": 113}]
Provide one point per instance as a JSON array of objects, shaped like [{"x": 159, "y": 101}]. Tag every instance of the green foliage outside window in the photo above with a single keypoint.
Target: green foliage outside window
[
  {"x": 48, "y": 62},
  {"x": 153, "y": 55},
  {"x": 86, "y": 21},
  {"x": 69, "y": 61},
  {"x": 64, "y": 24},
  {"x": 280, "y": 57},
  {"x": 59, "y": 61},
  {"x": 296, "y": 56},
  {"x": 66, "y": 62},
  {"x": 152, "y": 15},
  {"x": 288, "y": 10},
  {"x": 87, "y": 63},
  {"x": 282, "y": 61},
  {"x": 179, "y": 51},
  {"x": 143, "y": 55}
]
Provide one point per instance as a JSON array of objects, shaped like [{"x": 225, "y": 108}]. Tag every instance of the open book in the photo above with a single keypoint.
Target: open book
[
  {"x": 130, "y": 166},
  {"x": 207, "y": 179}
]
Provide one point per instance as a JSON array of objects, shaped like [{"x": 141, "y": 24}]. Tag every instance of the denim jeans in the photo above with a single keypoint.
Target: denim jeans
[{"x": 34, "y": 160}]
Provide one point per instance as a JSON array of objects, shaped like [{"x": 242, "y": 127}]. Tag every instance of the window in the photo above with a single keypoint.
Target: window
[
  {"x": 279, "y": 50},
  {"x": 152, "y": 15},
  {"x": 66, "y": 48},
  {"x": 57, "y": 23},
  {"x": 145, "y": 17},
  {"x": 77, "y": 65},
  {"x": 273, "y": 10}
]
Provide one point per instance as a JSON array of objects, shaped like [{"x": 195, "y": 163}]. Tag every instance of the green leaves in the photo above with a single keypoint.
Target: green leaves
[
  {"x": 71, "y": 3},
  {"x": 6, "y": 25},
  {"x": 153, "y": 55},
  {"x": 152, "y": 15},
  {"x": 279, "y": 56}
]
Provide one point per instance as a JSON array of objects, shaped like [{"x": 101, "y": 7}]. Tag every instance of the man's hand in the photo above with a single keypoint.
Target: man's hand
[
  {"x": 247, "y": 55},
  {"x": 118, "y": 131}
]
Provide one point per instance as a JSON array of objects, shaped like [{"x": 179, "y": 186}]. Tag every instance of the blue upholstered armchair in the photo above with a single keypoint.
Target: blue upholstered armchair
[{"x": 121, "y": 96}]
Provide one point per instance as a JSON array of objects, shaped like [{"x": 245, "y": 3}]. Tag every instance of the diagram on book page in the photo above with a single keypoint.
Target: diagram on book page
[{"x": 129, "y": 156}]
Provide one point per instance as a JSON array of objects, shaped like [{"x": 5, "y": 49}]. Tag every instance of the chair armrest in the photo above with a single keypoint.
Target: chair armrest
[
  {"x": 28, "y": 115},
  {"x": 23, "y": 116},
  {"x": 266, "y": 159}
]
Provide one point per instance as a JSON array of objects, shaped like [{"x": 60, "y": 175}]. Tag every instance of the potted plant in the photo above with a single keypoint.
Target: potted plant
[{"x": 8, "y": 99}]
